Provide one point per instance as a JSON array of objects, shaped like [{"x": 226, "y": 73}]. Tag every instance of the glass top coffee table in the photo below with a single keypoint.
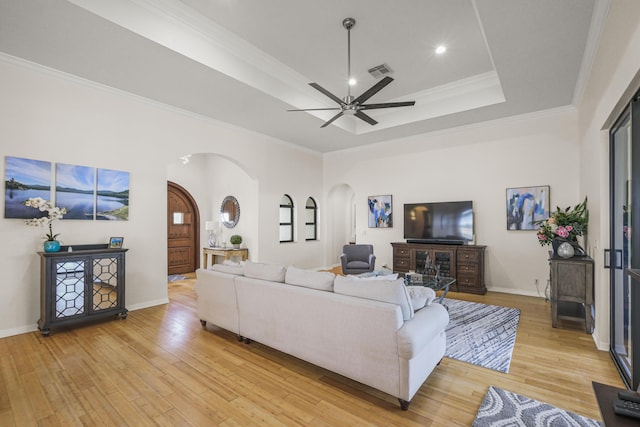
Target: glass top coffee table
[{"x": 441, "y": 283}]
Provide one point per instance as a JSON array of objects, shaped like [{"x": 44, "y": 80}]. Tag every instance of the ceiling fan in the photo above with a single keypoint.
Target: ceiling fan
[{"x": 349, "y": 104}]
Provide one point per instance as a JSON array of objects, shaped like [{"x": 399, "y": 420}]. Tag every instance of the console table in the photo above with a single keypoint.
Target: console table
[
  {"x": 78, "y": 286},
  {"x": 226, "y": 253},
  {"x": 464, "y": 263}
]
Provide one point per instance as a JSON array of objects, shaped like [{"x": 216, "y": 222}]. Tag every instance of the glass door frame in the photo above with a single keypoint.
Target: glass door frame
[{"x": 629, "y": 370}]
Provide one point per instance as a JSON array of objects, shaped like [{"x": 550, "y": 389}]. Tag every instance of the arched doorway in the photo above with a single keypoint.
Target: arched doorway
[
  {"x": 342, "y": 217},
  {"x": 183, "y": 223}
]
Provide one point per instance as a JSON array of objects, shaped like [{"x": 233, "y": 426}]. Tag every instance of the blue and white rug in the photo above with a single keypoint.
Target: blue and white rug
[
  {"x": 481, "y": 334},
  {"x": 176, "y": 278},
  {"x": 503, "y": 408}
]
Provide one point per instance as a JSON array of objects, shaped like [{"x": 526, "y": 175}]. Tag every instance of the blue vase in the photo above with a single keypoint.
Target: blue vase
[{"x": 52, "y": 246}]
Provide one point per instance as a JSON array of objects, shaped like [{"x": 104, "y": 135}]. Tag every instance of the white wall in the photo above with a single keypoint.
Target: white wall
[
  {"x": 615, "y": 66},
  {"x": 475, "y": 163},
  {"x": 46, "y": 115}
]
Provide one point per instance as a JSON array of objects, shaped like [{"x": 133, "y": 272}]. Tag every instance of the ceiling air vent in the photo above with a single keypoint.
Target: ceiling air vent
[{"x": 380, "y": 71}]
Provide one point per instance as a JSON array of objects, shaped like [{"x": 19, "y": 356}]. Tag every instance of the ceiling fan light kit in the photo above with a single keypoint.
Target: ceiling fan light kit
[{"x": 351, "y": 105}]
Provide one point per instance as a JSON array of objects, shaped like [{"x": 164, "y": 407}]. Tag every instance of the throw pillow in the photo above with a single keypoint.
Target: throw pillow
[
  {"x": 270, "y": 272},
  {"x": 234, "y": 263},
  {"x": 420, "y": 296},
  {"x": 320, "y": 280},
  {"x": 391, "y": 291},
  {"x": 230, "y": 269}
]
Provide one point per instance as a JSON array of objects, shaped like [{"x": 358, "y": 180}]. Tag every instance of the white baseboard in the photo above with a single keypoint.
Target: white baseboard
[
  {"x": 17, "y": 331},
  {"x": 147, "y": 304},
  {"x": 515, "y": 292},
  {"x": 31, "y": 328}
]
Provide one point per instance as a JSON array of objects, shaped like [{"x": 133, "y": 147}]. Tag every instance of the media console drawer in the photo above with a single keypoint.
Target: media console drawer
[
  {"x": 465, "y": 255},
  {"x": 469, "y": 269},
  {"x": 401, "y": 253},
  {"x": 401, "y": 264}
]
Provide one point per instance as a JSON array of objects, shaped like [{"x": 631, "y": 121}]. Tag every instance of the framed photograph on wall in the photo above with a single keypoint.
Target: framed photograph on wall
[
  {"x": 115, "y": 242},
  {"x": 525, "y": 206},
  {"x": 380, "y": 212}
]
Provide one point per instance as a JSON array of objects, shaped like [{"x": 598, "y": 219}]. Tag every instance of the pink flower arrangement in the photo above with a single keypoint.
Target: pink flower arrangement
[{"x": 565, "y": 224}]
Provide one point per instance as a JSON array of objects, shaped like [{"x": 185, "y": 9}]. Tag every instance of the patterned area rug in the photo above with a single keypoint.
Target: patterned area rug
[
  {"x": 175, "y": 278},
  {"x": 481, "y": 334},
  {"x": 503, "y": 408}
]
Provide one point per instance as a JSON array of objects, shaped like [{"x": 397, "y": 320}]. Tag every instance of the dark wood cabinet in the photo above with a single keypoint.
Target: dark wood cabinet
[
  {"x": 572, "y": 289},
  {"x": 465, "y": 263},
  {"x": 470, "y": 269},
  {"x": 87, "y": 283}
]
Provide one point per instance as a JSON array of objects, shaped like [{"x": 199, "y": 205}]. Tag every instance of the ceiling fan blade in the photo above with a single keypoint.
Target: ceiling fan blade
[
  {"x": 319, "y": 88},
  {"x": 317, "y": 109},
  {"x": 332, "y": 119},
  {"x": 363, "y": 116},
  {"x": 387, "y": 105},
  {"x": 373, "y": 90}
]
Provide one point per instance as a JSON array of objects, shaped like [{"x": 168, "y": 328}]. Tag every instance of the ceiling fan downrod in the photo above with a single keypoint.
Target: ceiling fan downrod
[{"x": 348, "y": 23}]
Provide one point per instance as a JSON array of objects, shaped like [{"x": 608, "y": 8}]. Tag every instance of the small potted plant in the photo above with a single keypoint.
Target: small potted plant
[{"x": 235, "y": 240}]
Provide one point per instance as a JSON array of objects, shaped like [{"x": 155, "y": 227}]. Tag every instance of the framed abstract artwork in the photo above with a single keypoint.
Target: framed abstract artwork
[
  {"x": 380, "y": 212},
  {"x": 526, "y": 206}
]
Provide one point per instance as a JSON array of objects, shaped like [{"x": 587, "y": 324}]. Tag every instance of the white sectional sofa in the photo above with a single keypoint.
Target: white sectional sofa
[{"x": 368, "y": 331}]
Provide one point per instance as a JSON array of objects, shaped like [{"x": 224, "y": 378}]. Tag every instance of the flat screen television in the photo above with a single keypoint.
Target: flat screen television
[{"x": 440, "y": 222}]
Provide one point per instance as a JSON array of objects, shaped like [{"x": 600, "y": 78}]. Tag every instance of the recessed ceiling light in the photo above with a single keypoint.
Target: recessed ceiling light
[
  {"x": 352, "y": 81},
  {"x": 441, "y": 49}
]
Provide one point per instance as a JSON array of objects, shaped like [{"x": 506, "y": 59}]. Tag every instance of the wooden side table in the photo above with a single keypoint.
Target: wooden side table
[
  {"x": 227, "y": 253},
  {"x": 572, "y": 289}
]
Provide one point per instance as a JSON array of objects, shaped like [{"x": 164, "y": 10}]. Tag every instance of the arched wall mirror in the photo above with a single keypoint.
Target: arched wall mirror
[{"x": 230, "y": 212}]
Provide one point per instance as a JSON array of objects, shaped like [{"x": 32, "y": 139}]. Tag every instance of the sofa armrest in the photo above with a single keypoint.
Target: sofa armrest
[
  {"x": 343, "y": 260},
  {"x": 416, "y": 333}
]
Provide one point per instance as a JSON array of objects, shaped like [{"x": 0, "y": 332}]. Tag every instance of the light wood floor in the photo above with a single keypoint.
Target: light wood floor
[{"x": 160, "y": 367}]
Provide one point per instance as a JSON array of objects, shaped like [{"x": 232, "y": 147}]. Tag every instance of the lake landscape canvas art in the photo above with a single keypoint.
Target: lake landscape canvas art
[
  {"x": 75, "y": 190},
  {"x": 112, "y": 201},
  {"x": 25, "y": 178}
]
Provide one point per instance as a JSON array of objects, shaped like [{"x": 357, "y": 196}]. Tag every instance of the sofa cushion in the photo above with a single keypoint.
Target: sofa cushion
[
  {"x": 231, "y": 269},
  {"x": 270, "y": 272},
  {"x": 391, "y": 291},
  {"x": 420, "y": 296},
  {"x": 321, "y": 280}
]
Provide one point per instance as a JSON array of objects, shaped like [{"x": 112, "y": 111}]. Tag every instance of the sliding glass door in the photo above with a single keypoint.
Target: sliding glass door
[{"x": 624, "y": 253}]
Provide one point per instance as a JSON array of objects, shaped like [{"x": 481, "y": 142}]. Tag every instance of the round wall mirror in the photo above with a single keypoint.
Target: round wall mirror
[{"x": 230, "y": 212}]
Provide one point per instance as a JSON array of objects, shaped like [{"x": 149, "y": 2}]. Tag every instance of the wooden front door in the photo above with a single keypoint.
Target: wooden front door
[{"x": 183, "y": 223}]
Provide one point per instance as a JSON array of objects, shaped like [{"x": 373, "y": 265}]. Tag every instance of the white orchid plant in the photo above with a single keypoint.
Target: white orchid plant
[{"x": 53, "y": 213}]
